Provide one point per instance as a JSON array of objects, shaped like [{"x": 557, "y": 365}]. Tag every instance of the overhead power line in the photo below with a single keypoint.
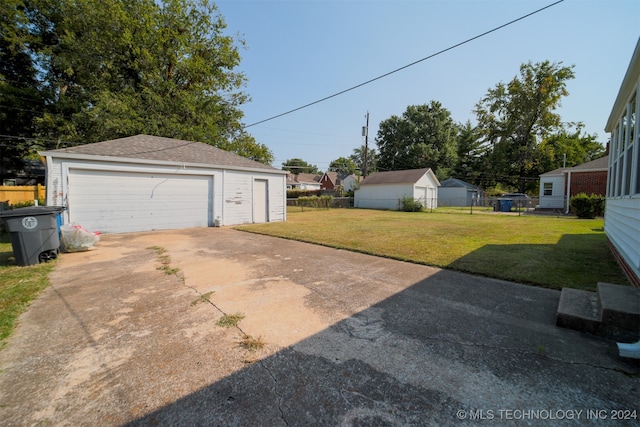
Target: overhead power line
[{"x": 406, "y": 66}]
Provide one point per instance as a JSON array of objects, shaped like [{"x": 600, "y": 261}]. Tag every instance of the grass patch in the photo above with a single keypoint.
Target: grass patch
[
  {"x": 230, "y": 320},
  {"x": 553, "y": 252},
  {"x": 250, "y": 343},
  {"x": 18, "y": 287},
  {"x": 202, "y": 298}
]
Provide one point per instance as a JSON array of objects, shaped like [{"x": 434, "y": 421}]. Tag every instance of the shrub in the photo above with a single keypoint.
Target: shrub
[
  {"x": 409, "y": 204},
  {"x": 294, "y": 194},
  {"x": 315, "y": 201},
  {"x": 587, "y": 206}
]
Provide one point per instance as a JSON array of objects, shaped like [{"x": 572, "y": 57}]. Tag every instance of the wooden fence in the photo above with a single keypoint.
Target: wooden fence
[{"x": 21, "y": 193}]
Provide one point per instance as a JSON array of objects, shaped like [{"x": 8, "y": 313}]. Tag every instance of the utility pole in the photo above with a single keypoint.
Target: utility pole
[{"x": 365, "y": 133}]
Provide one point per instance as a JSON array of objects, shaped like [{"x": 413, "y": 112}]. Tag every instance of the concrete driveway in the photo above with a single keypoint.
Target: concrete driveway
[{"x": 349, "y": 339}]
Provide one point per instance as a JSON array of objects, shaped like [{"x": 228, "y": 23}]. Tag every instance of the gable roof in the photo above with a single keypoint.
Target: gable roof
[
  {"x": 398, "y": 177},
  {"x": 626, "y": 88},
  {"x": 335, "y": 177},
  {"x": 309, "y": 178},
  {"x": 601, "y": 164},
  {"x": 160, "y": 149},
  {"x": 454, "y": 182},
  {"x": 598, "y": 164}
]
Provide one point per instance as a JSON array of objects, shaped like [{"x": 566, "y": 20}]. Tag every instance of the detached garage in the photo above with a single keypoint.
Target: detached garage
[
  {"x": 144, "y": 183},
  {"x": 383, "y": 190}
]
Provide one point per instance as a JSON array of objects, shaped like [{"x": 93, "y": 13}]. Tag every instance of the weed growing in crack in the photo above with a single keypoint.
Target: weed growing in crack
[
  {"x": 250, "y": 343},
  {"x": 159, "y": 250},
  {"x": 230, "y": 320},
  {"x": 168, "y": 270},
  {"x": 165, "y": 260},
  {"x": 202, "y": 298},
  {"x": 541, "y": 350}
]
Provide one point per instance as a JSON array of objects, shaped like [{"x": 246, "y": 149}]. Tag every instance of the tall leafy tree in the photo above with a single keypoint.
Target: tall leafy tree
[
  {"x": 470, "y": 150},
  {"x": 425, "y": 136},
  {"x": 568, "y": 147},
  {"x": 358, "y": 157},
  {"x": 514, "y": 118},
  {"x": 343, "y": 165},
  {"x": 21, "y": 100},
  {"x": 115, "y": 68},
  {"x": 297, "y": 165}
]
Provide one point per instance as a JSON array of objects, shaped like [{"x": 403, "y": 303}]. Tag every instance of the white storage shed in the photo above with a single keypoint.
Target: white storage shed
[
  {"x": 143, "y": 183},
  {"x": 384, "y": 190}
]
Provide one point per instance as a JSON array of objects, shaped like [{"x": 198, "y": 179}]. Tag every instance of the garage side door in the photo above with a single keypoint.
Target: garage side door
[{"x": 117, "y": 202}]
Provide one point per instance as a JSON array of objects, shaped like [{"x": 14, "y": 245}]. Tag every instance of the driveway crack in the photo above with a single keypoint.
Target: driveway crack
[{"x": 275, "y": 390}]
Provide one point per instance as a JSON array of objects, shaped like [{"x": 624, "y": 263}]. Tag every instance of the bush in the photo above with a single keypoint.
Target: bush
[
  {"x": 587, "y": 206},
  {"x": 409, "y": 204}
]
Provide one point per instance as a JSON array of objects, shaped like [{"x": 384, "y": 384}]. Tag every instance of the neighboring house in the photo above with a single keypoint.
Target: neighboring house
[
  {"x": 331, "y": 180},
  {"x": 383, "y": 190},
  {"x": 622, "y": 210},
  {"x": 303, "y": 181},
  {"x": 559, "y": 185},
  {"x": 146, "y": 182},
  {"x": 455, "y": 192},
  {"x": 350, "y": 182}
]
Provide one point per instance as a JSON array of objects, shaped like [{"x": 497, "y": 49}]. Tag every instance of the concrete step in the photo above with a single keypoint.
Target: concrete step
[{"x": 612, "y": 312}]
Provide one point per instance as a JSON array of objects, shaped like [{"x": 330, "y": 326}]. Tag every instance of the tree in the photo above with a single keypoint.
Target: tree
[
  {"x": 358, "y": 158},
  {"x": 513, "y": 118},
  {"x": 425, "y": 136},
  {"x": 343, "y": 165},
  {"x": 161, "y": 68},
  {"x": 297, "y": 166},
  {"x": 470, "y": 152},
  {"x": 20, "y": 98},
  {"x": 568, "y": 148}
]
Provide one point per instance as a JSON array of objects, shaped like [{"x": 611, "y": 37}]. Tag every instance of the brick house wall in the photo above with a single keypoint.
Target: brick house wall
[{"x": 588, "y": 182}]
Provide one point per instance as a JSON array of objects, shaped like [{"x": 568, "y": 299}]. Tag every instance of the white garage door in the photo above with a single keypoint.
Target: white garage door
[{"x": 118, "y": 202}]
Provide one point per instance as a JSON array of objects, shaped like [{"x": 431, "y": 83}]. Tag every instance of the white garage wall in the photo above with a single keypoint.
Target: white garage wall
[
  {"x": 238, "y": 196},
  {"x": 382, "y": 196},
  {"x": 232, "y": 190}
]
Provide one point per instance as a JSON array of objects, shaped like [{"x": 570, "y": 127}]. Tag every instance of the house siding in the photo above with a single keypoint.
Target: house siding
[
  {"x": 622, "y": 227},
  {"x": 557, "y": 198},
  {"x": 622, "y": 210}
]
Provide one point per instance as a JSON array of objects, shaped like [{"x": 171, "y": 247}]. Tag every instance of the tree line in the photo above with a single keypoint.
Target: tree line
[
  {"x": 518, "y": 135},
  {"x": 81, "y": 71}
]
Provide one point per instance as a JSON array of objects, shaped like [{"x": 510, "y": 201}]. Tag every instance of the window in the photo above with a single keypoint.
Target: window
[{"x": 548, "y": 189}]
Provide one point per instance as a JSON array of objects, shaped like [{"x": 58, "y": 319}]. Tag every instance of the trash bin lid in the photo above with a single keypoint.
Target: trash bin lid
[{"x": 31, "y": 211}]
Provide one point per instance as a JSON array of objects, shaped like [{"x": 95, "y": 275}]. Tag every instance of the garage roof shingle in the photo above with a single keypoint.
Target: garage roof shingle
[
  {"x": 158, "y": 148},
  {"x": 395, "y": 177}
]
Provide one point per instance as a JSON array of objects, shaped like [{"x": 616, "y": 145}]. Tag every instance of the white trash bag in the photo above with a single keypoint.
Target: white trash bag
[{"x": 75, "y": 238}]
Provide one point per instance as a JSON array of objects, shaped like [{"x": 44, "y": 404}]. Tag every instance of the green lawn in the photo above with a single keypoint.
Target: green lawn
[
  {"x": 18, "y": 287},
  {"x": 553, "y": 252}
]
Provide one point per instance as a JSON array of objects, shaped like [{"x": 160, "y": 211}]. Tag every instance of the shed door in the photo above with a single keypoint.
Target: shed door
[
  {"x": 117, "y": 202},
  {"x": 260, "y": 200}
]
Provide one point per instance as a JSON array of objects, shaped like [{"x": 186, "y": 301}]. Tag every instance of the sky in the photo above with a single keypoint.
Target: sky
[{"x": 300, "y": 51}]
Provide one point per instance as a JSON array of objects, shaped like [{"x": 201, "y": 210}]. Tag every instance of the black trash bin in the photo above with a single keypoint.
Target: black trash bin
[{"x": 34, "y": 233}]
